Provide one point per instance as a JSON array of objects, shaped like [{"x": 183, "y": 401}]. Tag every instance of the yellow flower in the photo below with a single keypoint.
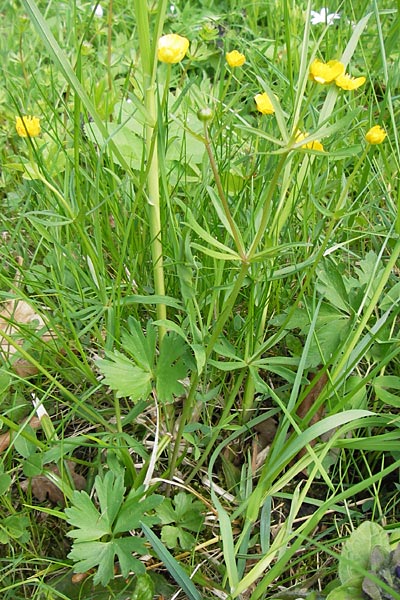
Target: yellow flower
[
  {"x": 375, "y": 135},
  {"x": 346, "y": 82},
  {"x": 27, "y": 126},
  {"x": 326, "y": 72},
  {"x": 235, "y": 58},
  {"x": 264, "y": 104},
  {"x": 172, "y": 48},
  {"x": 314, "y": 145}
]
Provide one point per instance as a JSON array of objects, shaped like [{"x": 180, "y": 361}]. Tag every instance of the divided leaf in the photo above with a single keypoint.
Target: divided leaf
[
  {"x": 97, "y": 537},
  {"x": 186, "y": 514},
  {"x": 126, "y": 379},
  {"x": 90, "y": 524},
  {"x": 110, "y": 492},
  {"x": 171, "y": 367},
  {"x": 134, "y": 377},
  {"x": 132, "y": 513},
  {"x": 142, "y": 348}
]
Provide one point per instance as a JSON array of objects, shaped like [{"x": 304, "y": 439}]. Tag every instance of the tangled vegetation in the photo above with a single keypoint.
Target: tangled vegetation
[{"x": 200, "y": 292}]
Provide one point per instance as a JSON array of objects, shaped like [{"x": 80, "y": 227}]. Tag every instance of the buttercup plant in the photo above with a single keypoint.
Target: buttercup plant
[
  {"x": 314, "y": 145},
  {"x": 172, "y": 48},
  {"x": 346, "y": 82},
  {"x": 222, "y": 281}
]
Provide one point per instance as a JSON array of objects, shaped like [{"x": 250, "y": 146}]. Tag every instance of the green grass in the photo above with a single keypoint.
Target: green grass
[{"x": 190, "y": 284}]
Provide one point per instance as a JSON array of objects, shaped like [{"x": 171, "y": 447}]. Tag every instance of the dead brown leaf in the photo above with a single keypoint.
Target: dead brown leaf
[
  {"x": 5, "y": 438},
  {"x": 266, "y": 431},
  {"x": 43, "y": 489},
  {"x": 15, "y": 315},
  {"x": 308, "y": 403},
  {"x": 311, "y": 399}
]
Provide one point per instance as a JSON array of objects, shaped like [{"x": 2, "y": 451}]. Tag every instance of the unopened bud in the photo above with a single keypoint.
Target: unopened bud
[{"x": 205, "y": 114}]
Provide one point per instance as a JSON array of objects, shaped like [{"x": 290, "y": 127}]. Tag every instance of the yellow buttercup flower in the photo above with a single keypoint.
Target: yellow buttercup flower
[
  {"x": 375, "y": 135},
  {"x": 264, "y": 104},
  {"x": 314, "y": 145},
  {"x": 326, "y": 72},
  {"x": 235, "y": 58},
  {"x": 172, "y": 48},
  {"x": 346, "y": 82},
  {"x": 27, "y": 126}
]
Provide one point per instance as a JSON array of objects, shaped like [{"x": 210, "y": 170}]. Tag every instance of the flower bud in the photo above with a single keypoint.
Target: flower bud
[{"x": 205, "y": 114}]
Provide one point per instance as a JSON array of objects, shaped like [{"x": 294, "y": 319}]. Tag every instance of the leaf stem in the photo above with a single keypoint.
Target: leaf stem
[{"x": 221, "y": 193}]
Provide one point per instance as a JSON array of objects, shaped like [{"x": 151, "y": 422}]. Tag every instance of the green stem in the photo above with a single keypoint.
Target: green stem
[
  {"x": 149, "y": 65},
  {"x": 215, "y": 434},
  {"x": 230, "y": 302},
  {"x": 109, "y": 43},
  {"x": 350, "y": 178},
  {"x": 248, "y": 396},
  {"x": 221, "y": 193},
  {"x": 189, "y": 401},
  {"x": 267, "y": 207},
  {"x": 154, "y": 204}
]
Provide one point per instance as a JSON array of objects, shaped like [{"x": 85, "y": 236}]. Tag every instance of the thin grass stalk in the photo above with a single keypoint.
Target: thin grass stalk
[
  {"x": 109, "y": 44},
  {"x": 389, "y": 97},
  {"x": 60, "y": 59}
]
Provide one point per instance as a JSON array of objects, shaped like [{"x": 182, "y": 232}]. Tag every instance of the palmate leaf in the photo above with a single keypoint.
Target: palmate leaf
[
  {"x": 110, "y": 492},
  {"x": 97, "y": 537},
  {"x": 132, "y": 513},
  {"x": 171, "y": 367},
  {"x": 186, "y": 513},
  {"x": 88, "y": 555},
  {"x": 134, "y": 377},
  {"x": 142, "y": 348},
  {"x": 124, "y": 377},
  {"x": 176, "y": 537},
  {"x": 90, "y": 524}
]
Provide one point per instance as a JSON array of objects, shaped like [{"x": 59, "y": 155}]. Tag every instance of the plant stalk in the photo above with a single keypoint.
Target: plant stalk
[{"x": 149, "y": 65}]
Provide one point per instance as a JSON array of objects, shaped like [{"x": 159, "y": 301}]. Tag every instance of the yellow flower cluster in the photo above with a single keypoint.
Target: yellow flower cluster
[
  {"x": 375, "y": 135},
  {"x": 235, "y": 58},
  {"x": 326, "y": 72},
  {"x": 334, "y": 71},
  {"x": 346, "y": 82},
  {"x": 27, "y": 126},
  {"x": 314, "y": 145},
  {"x": 264, "y": 104},
  {"x": 172, "y": 48}
]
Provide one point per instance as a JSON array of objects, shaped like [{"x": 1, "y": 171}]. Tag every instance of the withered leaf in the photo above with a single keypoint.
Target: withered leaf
[
  {"x": 307, "y": 404},
  {"x": 266, "y": 431},
  {"x": 43, "y": 489},
  {"x": 5, "y": 438},
  {"x": 15, "y": 315},
  {"x": 311, "y": 399}
]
